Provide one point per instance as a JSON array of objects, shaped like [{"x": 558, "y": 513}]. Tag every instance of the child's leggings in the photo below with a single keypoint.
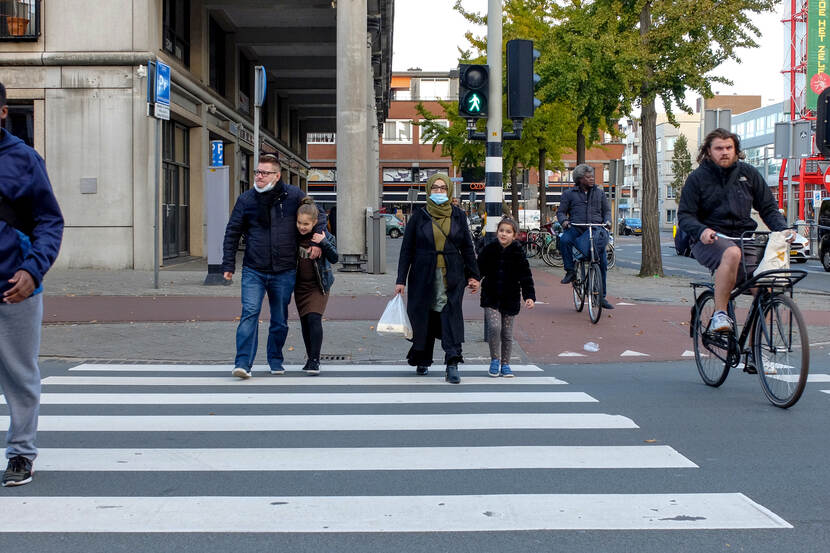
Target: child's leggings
[
  {"x": 499, "y": 329},
  {"x": 312, "y": 325}
]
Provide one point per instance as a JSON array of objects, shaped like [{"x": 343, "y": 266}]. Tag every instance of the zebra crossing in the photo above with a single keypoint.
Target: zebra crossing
[{"x": 367, "y": 407}]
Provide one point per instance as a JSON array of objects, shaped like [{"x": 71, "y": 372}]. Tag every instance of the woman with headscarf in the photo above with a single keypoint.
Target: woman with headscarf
[{"x": 437, "y": 260}]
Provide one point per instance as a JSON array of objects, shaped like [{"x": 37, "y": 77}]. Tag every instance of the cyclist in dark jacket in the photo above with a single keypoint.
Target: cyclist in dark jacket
[
  {"x": 267, "y": 216},
  {"x": 718, "y": 197},
  {"x": 584, "y": 203}
]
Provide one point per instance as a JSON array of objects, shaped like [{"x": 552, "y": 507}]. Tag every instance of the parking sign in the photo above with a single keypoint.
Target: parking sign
[{"x": 162, "y": 105}]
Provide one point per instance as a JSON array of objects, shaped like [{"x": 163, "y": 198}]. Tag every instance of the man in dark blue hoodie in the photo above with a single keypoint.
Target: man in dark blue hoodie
[{"x": 31, "y": 228}]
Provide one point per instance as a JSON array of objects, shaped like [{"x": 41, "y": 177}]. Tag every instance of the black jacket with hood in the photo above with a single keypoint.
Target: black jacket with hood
[{"x": 506, "y": 277}]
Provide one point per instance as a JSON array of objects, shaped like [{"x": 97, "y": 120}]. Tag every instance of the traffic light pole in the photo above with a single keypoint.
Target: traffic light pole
[{"x": 493, "y": 191}]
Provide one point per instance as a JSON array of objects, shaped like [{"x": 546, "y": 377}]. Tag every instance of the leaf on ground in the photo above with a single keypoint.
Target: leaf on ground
[
  {"x": 639, "y": 333},
  {"x": 650, "y": 441},
  {"x": 290, "y": 348}
]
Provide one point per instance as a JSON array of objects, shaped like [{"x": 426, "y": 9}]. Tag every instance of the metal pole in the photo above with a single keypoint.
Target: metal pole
[
  {"x": 257, "y": 109},
  {"x": 157, "y": 207},
  {"x": 493, "y": 191},
  {"x": 790, "y": 167}
]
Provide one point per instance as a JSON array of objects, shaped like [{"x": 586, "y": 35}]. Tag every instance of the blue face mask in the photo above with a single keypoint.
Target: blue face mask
[{"x": 438, "y": 198}]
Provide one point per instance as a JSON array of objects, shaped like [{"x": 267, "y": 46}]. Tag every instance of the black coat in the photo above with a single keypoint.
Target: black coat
[
  {"x": 506, "y": 277},
  {"x": 722, "y": 199},
  {"x": 416, "y": 269}
]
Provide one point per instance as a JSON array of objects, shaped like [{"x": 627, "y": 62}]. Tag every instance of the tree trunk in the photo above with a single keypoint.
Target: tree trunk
[
  {"x": 652, "y": 262},
  {"x": 543, "y": 196},
  {"x": 514, "y": 188},
  {"x": 580, "y": 144}
]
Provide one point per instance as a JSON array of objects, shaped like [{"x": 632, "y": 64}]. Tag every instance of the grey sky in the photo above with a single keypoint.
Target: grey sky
[{"x": 428, "y": 32}]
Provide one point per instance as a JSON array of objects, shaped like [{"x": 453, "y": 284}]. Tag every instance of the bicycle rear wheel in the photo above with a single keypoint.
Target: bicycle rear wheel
[
  {"x": 579, "y": 286},
  {"x": 782, "y": 350},
  {"x": 711, "y": 348},
  {"x": 531, "y": 248},
  {"x": 612, "y": 256},
  {"x": 551, "y": 254},
  {"x": 594, "y": 292}
]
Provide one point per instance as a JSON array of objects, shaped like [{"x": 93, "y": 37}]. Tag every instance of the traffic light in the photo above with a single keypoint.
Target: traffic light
[
  {"x": 521, "y": 80},
  {"x": 473, "y": 83},
  {"x": 822, "y": 123}
]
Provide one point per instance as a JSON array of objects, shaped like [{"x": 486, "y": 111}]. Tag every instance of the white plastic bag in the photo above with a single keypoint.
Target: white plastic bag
[
  {"x": 776, "y": 255},
  {"x": 395, "y": 321}
]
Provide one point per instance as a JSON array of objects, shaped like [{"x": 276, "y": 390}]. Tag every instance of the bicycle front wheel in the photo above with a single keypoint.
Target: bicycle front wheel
[
  {"x": 552, "y": 255},
  {"x": 578, "y": 285},
  {"x": 782, "y": 350},
  {"x": 612, "y": 257},
  {"x": 594, "y": 292},
  {"x": 711, "y": 348},
  {"x": 531, "y": 248}
]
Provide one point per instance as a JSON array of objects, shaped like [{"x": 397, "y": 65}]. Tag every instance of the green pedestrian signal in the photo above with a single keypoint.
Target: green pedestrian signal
[{"x": 473, "y": 83}]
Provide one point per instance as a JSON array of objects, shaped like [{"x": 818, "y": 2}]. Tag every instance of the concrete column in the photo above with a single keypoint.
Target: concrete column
[
  {"x": 352, "y": 126},
  {"x": 373, "y": 189}
]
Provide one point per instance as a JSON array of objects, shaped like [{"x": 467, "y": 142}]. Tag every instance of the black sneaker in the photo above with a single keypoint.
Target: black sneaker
[
  {"x": 312, "y": 367},
  {"x": 570, "y": 276},
  {"x": 422, "y": 370},
  {"x": 606, "y": 304},
  {"x": 18, "y": 472},
  {"x": 452, "y": 374}
]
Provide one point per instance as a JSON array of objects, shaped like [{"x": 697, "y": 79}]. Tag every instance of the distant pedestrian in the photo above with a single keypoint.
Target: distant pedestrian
[
  {"x": 438, "y": 261},
  {"x": 505, "y": 280},
  {"x": 267, "y": 216},
  {"x": 31, "y": 230},
  {"x": 314, "y": 280}
]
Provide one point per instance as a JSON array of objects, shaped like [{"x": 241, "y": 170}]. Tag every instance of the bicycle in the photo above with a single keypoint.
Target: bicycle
[
  {"x": 588, "y": 281},
  {"x": 779, "y": 349}
]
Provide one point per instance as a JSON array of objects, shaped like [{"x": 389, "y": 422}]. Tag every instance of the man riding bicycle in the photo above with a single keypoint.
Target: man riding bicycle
[
  {"x": 717, "y": 198},
  {"x": 584, "y": 203}
]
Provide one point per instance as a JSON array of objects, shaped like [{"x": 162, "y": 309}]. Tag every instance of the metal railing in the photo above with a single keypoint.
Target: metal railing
[{"x": 19, "y": 20}]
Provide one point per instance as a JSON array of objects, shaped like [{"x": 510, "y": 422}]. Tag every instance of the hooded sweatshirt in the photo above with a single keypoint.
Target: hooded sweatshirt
[{"x": 25, "y": 187}]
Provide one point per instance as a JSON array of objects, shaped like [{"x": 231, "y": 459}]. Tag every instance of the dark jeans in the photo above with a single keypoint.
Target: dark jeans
[
  {"x": 279, "y": 287},
  {"x": 578, "y": 238},
  {"x": 452, "y": 351}
]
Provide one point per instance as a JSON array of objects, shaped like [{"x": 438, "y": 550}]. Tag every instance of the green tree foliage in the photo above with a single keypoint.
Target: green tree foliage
[
  {"x": 452, "y": 139},
  {"x": 681, "y": 165}
]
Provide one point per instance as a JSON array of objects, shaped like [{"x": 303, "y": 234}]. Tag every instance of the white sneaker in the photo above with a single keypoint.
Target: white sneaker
[
  {"x": 239, "y": 372},
  {"x": 720, "y": 322}
]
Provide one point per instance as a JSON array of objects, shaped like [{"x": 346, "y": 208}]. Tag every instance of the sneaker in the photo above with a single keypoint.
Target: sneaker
[
  {"x": 312, "y": 367},
  {"x": 720, "y": 322},
  {"x": 18, "y": 472},
  {"x": 606, "y": 304},
  {"x": 452, "y": 374},
  {"x": 494, "y": 367},
  {"x": 506, "y": 372},
  {"x": 570, "y": 276},
  {"x": 278, "y": 370},
  {"x": 242, "y": 373},
  {"x": 422, "y": 370}
]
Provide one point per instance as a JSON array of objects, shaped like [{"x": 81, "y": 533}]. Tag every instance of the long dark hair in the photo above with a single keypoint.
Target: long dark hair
[{"x": 722, "y": 134}]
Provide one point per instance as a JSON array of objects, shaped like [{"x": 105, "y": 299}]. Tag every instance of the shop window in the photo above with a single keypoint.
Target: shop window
[
  {"x": 218, "y": 60},
  {"x": 396, "y": 174}
]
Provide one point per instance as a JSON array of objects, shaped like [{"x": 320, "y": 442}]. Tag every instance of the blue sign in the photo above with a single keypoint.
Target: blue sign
[
  {"x": 162, "y": 83},
  {"x": 217, "y": 153}
]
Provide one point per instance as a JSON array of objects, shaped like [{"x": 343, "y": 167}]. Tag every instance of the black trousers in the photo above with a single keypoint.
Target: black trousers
[{"x": 435, "y": 330}]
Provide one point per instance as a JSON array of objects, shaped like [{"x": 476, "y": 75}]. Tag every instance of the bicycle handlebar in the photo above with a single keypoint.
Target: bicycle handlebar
[{"x": 587, "y": 224}]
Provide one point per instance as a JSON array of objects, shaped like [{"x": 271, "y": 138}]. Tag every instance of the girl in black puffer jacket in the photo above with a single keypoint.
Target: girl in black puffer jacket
[{"x": 506, "y": 280}]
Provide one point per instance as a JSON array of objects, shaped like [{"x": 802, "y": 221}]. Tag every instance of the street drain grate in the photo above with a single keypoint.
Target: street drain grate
[{"x": 336, "y": 357}]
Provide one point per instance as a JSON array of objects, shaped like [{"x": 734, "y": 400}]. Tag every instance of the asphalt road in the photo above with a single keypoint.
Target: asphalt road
[
  {"x": 767, "y": 464},
  {"x": 629, "y": 255}
]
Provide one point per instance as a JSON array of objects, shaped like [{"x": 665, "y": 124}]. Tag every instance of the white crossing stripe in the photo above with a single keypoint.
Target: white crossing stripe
[
  {"x": 298, "y": 380},
  {"x": 432, "y": 513},
  {"x": 571, "y": 354},
  {"x": 630, "y": 353},
  {"x": 240, "y": 398},
  {"x": 795, "y": 377},
  {"x": 91, "y": 367},
  {"x": 363, "y": 458},
  {"x": 290, "y": 423}
]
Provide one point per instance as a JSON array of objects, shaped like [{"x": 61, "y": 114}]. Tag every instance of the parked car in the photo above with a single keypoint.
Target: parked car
[
  {"x": 824, "y": 234},
  {"x": 800, "y": 249},
  {"x": 631, "y": 225},
  {"x": 394, "y": 226}
]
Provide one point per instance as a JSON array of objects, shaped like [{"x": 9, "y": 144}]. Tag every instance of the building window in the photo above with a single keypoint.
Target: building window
[
  {"x": 434, "y": 89},
  {"x": 670, "y": 143},
  {"x": 216, "y": 53},
  {"x": 750, "y": 128},
  {"x": 322, "y": 175},
  {"x": 397, "y": 131},
  {"x": 403, "y": 95},
  {"x": 671, "y": 216},
  {"x": 176, "y": 189},
  {"x": 443, "y": 122},
  {"x": 321, "y": 138},
  {"x": 669, "y": 192},
  {"x": 21, "y": 121},
  {"x": 397, "y": 174},
  {"x": 176, "y": 29},
  {"x": 19, "y": 20},
  {"x": 246, "y": 75},
  {"x": 244, "y": 176}
]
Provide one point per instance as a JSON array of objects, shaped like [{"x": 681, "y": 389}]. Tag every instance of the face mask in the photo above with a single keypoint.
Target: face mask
[
  {"x": 438, "y": 198},
  {"x": 266, "y": 189}
]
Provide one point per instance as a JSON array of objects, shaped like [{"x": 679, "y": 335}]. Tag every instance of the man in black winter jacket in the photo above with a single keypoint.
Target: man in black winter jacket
[
  {"x": 718, "y": 197},
  {"x": 267, "y": 216}
]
